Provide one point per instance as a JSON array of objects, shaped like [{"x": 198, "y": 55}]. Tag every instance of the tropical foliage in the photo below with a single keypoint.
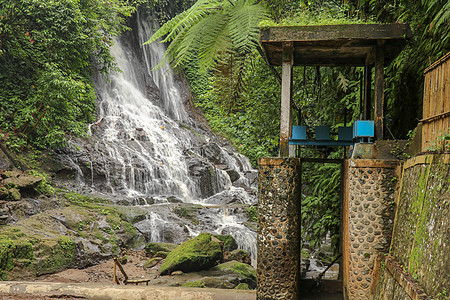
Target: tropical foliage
[
  {"x": 248, "y": 114},
  {"x": 47, "y": 53},
  {"x": 210, "y": 31}
]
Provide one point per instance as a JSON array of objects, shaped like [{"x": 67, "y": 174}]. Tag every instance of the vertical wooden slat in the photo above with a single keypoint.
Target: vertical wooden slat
[
  {"x": 436, "y": 102},
  {"x": 379, "y": 92}
]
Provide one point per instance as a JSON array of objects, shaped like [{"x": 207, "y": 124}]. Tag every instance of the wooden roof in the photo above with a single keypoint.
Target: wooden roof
[{"x": 334, "y": 45}]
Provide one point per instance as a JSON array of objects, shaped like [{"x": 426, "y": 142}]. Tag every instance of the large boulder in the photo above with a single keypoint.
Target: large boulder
[
  {"x": 200, "y": 253},
  {"x": 244, "y": 273}
]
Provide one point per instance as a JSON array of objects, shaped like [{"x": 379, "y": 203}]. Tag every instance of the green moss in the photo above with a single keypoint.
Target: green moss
[
  {"x": 14, "y": 194},
  {"x": 241, "y": 269},
  {"x": 189, "y": 213},
  {"x": 242, "y": 286},
  {"x": 252, "y": 213},
  {"x": 152, "y": 262},
  {"x": 153, "y": 248},
  {"x": 44, "y": 187},
  {"x": 195, "y": 254},
  {"x": 229, "y": 243},
  {"x": 86, "y": 201},
  {"x": 308, "y": 18},
  {"x": 14, "y": 246},
  {"x": 197, "y": 284}
]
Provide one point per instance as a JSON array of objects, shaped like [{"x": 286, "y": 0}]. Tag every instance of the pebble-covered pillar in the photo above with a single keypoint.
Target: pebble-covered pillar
[
  {"x": 278, "y": 228},
  {"x": 371, "y": 187}
]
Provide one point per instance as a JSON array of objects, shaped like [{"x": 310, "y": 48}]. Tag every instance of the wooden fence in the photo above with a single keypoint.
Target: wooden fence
[{"x": 436, "y": 105}]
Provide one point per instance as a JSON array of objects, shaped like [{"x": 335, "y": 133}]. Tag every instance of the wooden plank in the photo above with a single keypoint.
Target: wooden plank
[
  {"x": 335, "y": 32},
  {"x": 286, "y": 99},
  {"x": 444, "y": 59},
  {"x": 379, "y": 92},
  {"x": 367, "y": 91}
]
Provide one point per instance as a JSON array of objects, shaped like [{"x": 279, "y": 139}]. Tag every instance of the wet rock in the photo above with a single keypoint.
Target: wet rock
[
  {"x": 203, "y": 174},
  {"x": 234, "y": 175},
  {"x": 177, "y": 273},
  {"x": 213, "y": 153},
  {"x": 218, "y": 282},
  {"x": 199, "y": 253},
  {"x": 229, "y": 243},
  {"x": 173, "y": 199},
  {"x": 152, "y": 262},
  {"x": 240, "y": 256},
  {"x": 23, "y": 181}
]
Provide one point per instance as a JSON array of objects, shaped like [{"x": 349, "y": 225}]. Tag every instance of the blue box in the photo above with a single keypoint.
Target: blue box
[
  {"x": 322, "y": 133},
  {"x": 298, "y": 132},
  {"x": 363, "y": 129},
  {"x": 345, "y": 133}
]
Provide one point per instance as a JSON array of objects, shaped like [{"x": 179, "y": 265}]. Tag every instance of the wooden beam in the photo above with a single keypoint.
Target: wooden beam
[
  {"x": 367, "y": 92},
  {"x": 327, "y": 32},
  {"x": 379, "y": 92},
  {"x": 286, "y": 98}
]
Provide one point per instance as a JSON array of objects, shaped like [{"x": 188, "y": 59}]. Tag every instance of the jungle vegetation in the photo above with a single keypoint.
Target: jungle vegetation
[
  {"x": 239, "y": 93},
  {"x": 49, "y": 51}
]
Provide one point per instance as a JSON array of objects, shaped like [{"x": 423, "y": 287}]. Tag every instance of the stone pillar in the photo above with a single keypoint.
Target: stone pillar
[
  {"x": 370, "y": 202},
  {"x": 278, "y": 269}
]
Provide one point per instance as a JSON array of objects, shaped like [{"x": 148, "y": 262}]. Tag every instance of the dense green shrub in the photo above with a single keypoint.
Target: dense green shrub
[{"x": 48, "y": 50}]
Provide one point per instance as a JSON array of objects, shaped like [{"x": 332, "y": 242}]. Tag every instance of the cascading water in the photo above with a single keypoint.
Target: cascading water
[{"x": 150, "y": 154}]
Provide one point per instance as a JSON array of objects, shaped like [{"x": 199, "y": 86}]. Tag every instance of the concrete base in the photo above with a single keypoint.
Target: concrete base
[{"x": 98, "y": 291}]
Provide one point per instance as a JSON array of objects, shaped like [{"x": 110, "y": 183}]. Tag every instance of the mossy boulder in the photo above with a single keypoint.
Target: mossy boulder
[
  {"x": 151, "y": 249},
  {"x": 199, "y": 253},
  {"x": 229, "y": 243},
  {"x": 23, "y": 256},
  {"x": 245, "y": 273},
  {"x": 152, "y": 262}
]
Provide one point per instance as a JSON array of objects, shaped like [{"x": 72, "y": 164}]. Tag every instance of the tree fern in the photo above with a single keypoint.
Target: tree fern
[
  {"x": 243, "y": 25},
  {"x": 211, "y": 28}
]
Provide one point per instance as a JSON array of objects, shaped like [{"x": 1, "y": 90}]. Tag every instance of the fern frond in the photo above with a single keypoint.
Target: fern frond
[
  {"x": 215, "y": 42},
  {"x": 184, "y": 20},
  {"x": 243, "y": 25}
]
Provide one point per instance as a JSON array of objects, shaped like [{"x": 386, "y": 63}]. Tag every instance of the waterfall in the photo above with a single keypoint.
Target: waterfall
[{"x": 149, "y": 153}]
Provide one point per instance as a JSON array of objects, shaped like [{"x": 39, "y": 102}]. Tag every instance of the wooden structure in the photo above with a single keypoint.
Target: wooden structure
[
  {"x": 436, "y": 103},
  {"x": 126, "y": 280},
  {"x": 363, "y": 45}
]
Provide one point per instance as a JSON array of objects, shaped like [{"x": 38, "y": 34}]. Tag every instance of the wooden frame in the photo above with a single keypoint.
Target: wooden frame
[{"x": 436, "y": 103}]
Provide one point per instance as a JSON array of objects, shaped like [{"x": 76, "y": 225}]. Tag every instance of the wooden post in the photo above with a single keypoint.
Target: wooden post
[
  {"x": 367, "y": 91},
  {"x": 286, "y": 92},
  {"x": 379, "y": 91}
]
